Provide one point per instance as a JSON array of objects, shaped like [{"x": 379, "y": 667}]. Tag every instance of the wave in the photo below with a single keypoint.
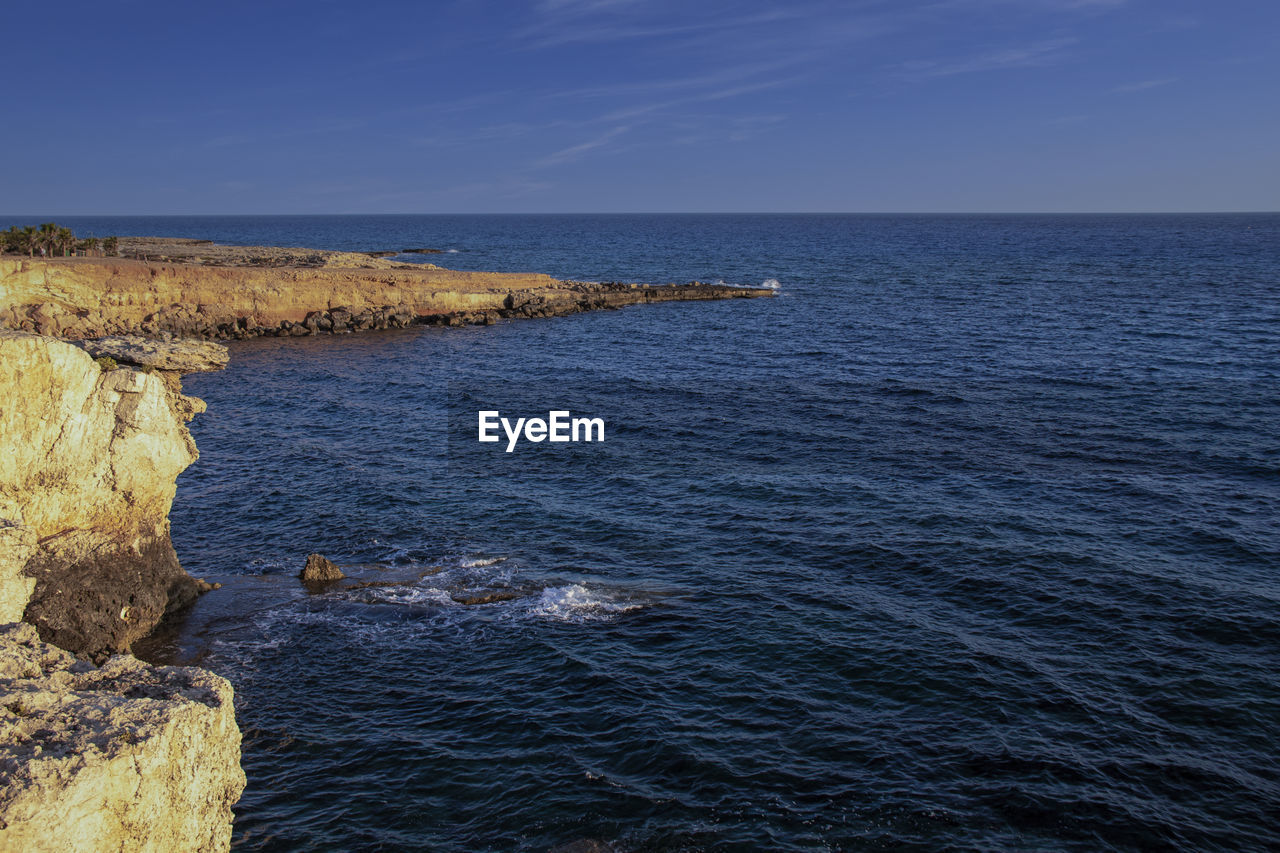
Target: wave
[
  {"x": 481, "y": 562},
  {"x": 577, "y": 603},
  {"x": 771, "y": 283}
]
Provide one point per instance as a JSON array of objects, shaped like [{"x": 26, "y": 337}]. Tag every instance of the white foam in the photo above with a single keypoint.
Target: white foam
[
  {"x": 771, "y": 283},
  {"x": 407, "y": 595},
  {"x": 577, "y": 603},
  {"x": 452, "y": 251},
  {"x": 481, "y": 562}
]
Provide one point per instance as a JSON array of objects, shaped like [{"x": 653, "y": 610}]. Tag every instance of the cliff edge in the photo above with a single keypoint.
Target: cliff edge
[
  {"x": 127, "y": 756},
  {"x": 87, "y": 477}
]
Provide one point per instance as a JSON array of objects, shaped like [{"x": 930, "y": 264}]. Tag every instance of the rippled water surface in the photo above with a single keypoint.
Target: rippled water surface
[{"x": 967, "y": 540}]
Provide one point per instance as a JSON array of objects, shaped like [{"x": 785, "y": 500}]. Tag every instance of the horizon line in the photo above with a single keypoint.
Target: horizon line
[{"x": 684, "y": 213}]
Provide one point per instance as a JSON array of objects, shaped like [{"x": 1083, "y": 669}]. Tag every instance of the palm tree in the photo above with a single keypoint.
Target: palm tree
[
  {"x": 90, "y": 246},
  {"x": 47, "y": 238},
  {"x": 30, "y": 240},
  {"x": 66, "y": 239}
]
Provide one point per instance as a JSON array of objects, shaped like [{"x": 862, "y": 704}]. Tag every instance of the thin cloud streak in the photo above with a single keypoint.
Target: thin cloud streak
[
  {"x": 1142, "y": 86},
  {"x": 1040, "y": 54},
  {"x": 574, "y": 152}
]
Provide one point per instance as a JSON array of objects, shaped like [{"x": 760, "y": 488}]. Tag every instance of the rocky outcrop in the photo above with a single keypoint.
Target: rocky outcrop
[
  {"x": 319, "y": 569},
  {"x": 94, "y": 297},
  {"x": 125, "y": 757},
  {"x": 87, "y": 477}
]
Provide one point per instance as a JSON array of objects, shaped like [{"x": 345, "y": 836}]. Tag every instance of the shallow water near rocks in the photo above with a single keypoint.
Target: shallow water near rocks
[{"x": 966, "y": 540}]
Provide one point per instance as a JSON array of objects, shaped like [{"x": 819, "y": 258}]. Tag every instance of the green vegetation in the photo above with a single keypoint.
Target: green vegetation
[
  {"x": 52, "y": 240},
  {"x": 107, "y": 363}
]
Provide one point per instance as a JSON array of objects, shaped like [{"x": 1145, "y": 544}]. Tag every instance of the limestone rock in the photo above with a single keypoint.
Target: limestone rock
[
  {"x": 126, "y": 757},
  {"x": 17, "y": 545},
  {"x": 181, "y": 356},
  {"x": 320, "y": 570},
  {"x": 88, "y": 463}
]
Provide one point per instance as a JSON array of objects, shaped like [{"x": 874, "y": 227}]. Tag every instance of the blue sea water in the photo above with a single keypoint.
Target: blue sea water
[{"x": 969, "y": 539}]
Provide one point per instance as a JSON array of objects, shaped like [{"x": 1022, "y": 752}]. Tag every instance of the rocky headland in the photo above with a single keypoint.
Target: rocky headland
[
  {"x": 119, "y": 755},
  {"x": 198, "y": 289}
]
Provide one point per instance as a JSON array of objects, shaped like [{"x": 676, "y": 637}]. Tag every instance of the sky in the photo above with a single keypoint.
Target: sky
[{"x": 482, "y": 106}]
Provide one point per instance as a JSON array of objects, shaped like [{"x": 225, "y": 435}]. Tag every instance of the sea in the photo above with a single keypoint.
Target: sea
[{"x": 967, "y": 539}]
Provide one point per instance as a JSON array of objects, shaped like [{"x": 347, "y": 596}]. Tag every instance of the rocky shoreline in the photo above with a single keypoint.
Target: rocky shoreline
[
  {"x": 246, "y": 292},
  {"x": 99, "y": 751}
]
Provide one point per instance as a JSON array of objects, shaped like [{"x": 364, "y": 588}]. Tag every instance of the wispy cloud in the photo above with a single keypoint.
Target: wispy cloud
[
  {"x": 574, "y": 152},
  {"x": 713, "y": 79},
  {"x": 1143, "y": 85},
  {"x": 1039, "y": 54},
  {"x": 637, "y": 110},
  {"x": 605, "y": 22}
]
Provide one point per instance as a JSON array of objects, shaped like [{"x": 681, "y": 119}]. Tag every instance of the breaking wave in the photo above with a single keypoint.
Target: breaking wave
[{"x": 577, "y": 603}]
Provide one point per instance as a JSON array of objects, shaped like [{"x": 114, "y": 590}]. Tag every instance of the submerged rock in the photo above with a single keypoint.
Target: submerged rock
[
  {"x": 491, "y": 596},
  {"x": 181, "y": 356},
  {"x": 320, "y": 569},
  {"x": 126, "y": 757}
]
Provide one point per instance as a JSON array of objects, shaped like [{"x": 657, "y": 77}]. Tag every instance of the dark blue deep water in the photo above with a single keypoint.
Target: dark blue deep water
[{"x": 969, "y": 539}]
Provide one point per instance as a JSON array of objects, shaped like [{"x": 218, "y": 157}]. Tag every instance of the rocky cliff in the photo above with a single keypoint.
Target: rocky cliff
[
  {"x": 125, "y": 757},
  {"x": 87, "y": 476},
  {"x": 91, "y": 297}
]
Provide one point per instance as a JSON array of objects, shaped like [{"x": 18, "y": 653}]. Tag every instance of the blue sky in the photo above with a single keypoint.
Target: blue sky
[{"x": 641, "y": 105}]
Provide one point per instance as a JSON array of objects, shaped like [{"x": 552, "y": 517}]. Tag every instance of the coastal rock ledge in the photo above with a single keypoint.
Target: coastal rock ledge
[{"x": 123, "y": 757}]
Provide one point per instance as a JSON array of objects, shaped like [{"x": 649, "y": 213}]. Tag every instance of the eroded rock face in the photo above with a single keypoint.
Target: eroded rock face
[
  {"x": 126, "y": 757},
  {"x": 87, "y": 476}
]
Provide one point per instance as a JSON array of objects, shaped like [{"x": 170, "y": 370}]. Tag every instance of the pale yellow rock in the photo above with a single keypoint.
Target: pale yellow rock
[
  {"x": 17, "y": 544},
  {"x": 129, "y": 757},
  {"x": 125, "y": 292},
  {"x": 88, "y": 467},
  {"x": 84, "y": 449}
]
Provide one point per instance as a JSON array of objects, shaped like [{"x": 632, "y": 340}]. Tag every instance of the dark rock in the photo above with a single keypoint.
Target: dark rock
[
  {"x": 490, "y": 596},
  {"x": 98, "y": 603}
]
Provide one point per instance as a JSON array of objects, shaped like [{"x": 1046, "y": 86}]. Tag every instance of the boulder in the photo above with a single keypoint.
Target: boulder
[{"x": 320, "y": 570}]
